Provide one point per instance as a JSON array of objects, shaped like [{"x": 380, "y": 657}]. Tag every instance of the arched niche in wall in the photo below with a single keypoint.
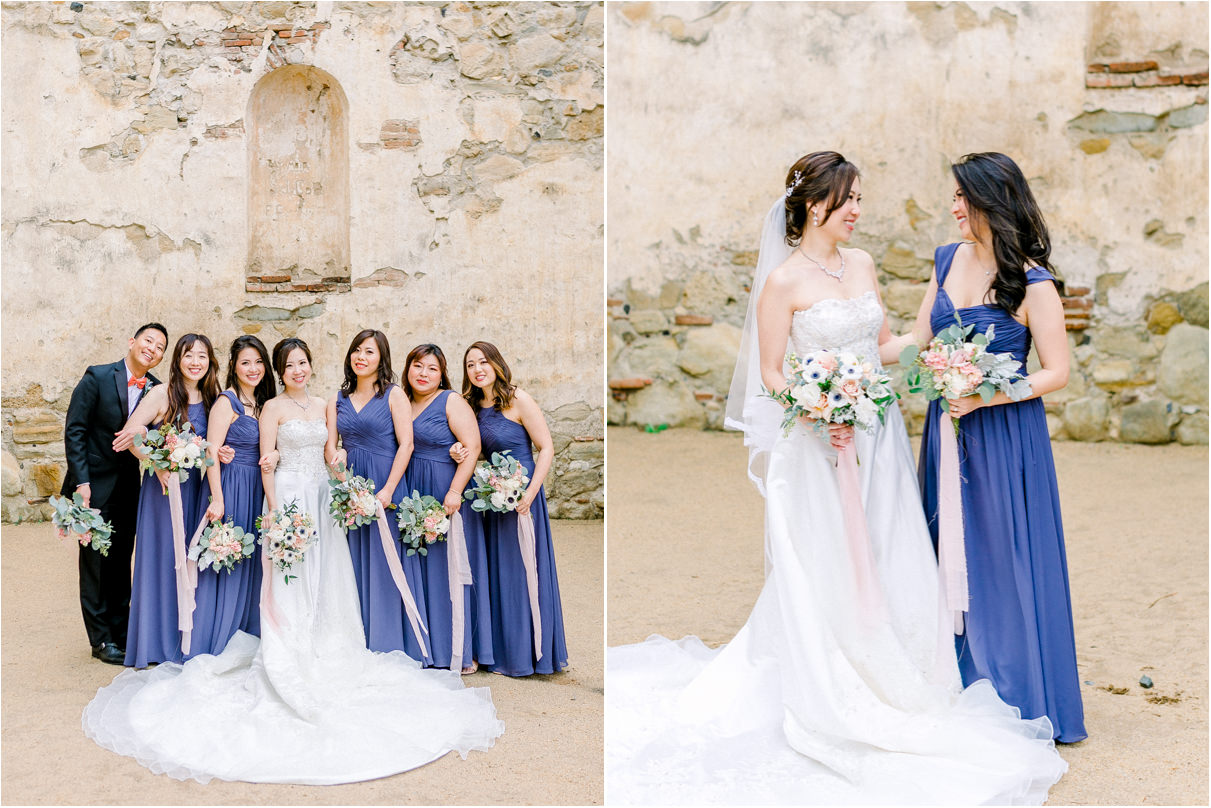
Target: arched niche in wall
[{"x": 298, "y": 189}]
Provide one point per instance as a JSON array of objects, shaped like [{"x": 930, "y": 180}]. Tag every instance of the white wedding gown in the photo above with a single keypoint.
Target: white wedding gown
[
  {"x": 818, "y": 700},
  {"x": 307, "y": 703}
]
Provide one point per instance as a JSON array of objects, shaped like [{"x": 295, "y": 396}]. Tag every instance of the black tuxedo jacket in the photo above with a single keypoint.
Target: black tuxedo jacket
[{"x": 97, "y": 410}]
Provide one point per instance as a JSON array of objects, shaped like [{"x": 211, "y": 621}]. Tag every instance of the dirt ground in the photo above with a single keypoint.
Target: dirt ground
[
  {"x": 685, "y": 557},
  {"x": 550, "y": 753}
]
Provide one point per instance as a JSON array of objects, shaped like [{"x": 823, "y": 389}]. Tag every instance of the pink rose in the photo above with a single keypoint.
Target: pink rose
[{"x": 852, "y": 388}]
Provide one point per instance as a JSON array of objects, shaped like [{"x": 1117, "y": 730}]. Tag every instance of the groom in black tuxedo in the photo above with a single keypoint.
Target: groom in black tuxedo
[{"x": 107, "y": 477}]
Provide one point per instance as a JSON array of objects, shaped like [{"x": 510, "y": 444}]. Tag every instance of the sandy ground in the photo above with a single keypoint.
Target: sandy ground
[
  {"x": 550, "y": 753},
  {"x": 684, "y": 557}
]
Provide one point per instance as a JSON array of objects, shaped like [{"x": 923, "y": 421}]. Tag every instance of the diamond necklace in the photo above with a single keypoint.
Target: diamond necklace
[{"x": 835, "y": 275}]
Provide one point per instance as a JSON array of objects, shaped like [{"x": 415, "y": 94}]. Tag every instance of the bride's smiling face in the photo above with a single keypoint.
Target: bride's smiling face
[
  {"x": 298, "y": 370},
  {"x": 840, "y": 225}
]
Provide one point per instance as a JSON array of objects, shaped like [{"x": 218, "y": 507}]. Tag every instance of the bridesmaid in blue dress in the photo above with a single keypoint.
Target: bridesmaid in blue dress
[
  {"x": 440, "y": 420},
  {"x": 373, "y": 422},
  {"x": 226, "y": 602},
  {"x": 510, "y": 420},
  {"x": 193, "y": 386},
  {"x": 1018, "y": 630}
]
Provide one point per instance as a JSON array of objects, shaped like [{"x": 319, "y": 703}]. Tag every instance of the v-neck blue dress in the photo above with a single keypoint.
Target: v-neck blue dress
[
  {"x": 1019, "y": 624},
  {"x": 226, "y": 602},
  {"x": 368, "y": 437},
  {"x": 431, "y": 471}
]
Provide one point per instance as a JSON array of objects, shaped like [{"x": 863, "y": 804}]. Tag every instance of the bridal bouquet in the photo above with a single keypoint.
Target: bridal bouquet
[
  {"x": 72, "y": 518},
  {"x": 952, "y": 366},
  {"x": 834, "y": 388},
  {"x": 287, "y": 533},
  {"x": 422, "y": 521},
  {"x": 353, "y": 502},
  {"x": 223, "y": 545},
  {"x": 178, "y": 451},
  {"x": 497, "y": 484}
]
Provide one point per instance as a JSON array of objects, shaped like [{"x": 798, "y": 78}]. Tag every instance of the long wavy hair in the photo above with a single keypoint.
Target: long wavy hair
[
  {"x": 503, "y": 388},
  {"x": 997, "y": 192},
  {"x": 282, "y": 350},
  {"x": 264, "y": 389},
  {"x": 823, "y": 176},
  {"x": 385, "y": 375},
  {"x": 419, "y": 352},
  {"x": 208, "y": 385}
]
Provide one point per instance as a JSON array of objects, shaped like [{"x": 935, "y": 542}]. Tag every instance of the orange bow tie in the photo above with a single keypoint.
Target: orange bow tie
[{"x": 139, "y": 382}]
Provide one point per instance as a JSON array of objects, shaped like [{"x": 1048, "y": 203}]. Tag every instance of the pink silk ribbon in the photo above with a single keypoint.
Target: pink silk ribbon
[
  {"x": 397, "y": 575},
  {"x": 458, "y": 570},
  {"x": 863, "y": 560},
  {"x": 528, "y": 545},
  {"x": 952, "y": 554},
  {"x": 185, "y": 570}
]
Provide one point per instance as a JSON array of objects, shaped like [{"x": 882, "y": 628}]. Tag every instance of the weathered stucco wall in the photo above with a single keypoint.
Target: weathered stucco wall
[
  {"x": 464, "y": 140},
  {"x": 1104, "y": 105}
]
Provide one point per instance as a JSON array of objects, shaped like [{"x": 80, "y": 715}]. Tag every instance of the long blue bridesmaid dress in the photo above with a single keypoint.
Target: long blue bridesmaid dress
[
  {"x": 431, "y": 471},
  {"x": 368, "y": 437},
  {"x": 512, "y": 623},
  {"x": 226, "y": 602},
  {"x": 1019, "y": 624},
  {"x": 152, "y": 635}
]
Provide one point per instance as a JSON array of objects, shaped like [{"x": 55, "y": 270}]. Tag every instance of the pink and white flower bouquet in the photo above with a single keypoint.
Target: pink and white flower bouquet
[
  {"x": 353, "y": 502},
  {"x": 287, "y": 533},
  {"x": 497, "y": 484},
  {"x": 178, "y": 451},
  {"x": 422, "y": 521},
  {"x": 834, "y": 388},
  {"x": 223, "y": 545},
  {"x": 85, "y": 525},
  {"x": 953, "y": 366}
]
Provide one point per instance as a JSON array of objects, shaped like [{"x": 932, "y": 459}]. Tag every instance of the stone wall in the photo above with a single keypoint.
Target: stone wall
[
  {"x": 304, "y": 169},
  {"x": 1104, "y": 105}
]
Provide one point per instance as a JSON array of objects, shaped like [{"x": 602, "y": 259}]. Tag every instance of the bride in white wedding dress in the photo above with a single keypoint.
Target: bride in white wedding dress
[
  {"x": 823, "y": 697},
  {"x": 308, "y": 702}
]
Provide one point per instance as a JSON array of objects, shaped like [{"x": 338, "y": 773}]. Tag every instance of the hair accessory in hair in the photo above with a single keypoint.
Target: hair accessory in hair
[{"x": 794, "y": 183}]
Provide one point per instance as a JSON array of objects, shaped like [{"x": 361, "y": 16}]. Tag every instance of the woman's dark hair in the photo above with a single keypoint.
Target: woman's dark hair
[
  {"x": 419, "y": 352},
  {"x": 208, "y": 385},
  {"x": 385, "y": 375},
  {"x": 503, "y": 388},
  {"x": 996, "y": 192},
  {"x": 822, "y": 176},
  {"x": 265, "y": 389},
  {"x": 282, "y": 350}
]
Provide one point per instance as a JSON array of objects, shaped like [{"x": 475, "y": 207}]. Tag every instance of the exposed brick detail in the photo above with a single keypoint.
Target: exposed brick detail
[
  {"x": 633, "y": 383},
  {"x": 1156, "y": 80},
  {"x": 693, "y": 319},
  {"x": 614, "y": 301},
  {"x": 703, "y": 395},
  {"x": 1078, "y": 308},
  {"x": 1195, "y": 79},
  {"x": 400, "y": 134},
  {"x": 270, "y": 278},
  {"x": 1108, "y": 81},
  {"x": 1131, "y": 67}
]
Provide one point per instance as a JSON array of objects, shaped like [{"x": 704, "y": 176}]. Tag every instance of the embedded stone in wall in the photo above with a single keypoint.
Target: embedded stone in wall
[
  {"x": 10, "y": 475},
  {"x": 1183, "y": 366},
  {"x": 1192, "y": 431},
  {"x": 710, "y": 354},
  {"x": 298, "y": 163},
  {"x": 665, "y": 403},
  {"x": 1087, "y": 418},
  {"x": 1148, "y": 422}
]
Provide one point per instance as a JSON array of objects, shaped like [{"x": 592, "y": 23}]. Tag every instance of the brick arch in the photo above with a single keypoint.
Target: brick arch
[{"x": 297, "y": 127}]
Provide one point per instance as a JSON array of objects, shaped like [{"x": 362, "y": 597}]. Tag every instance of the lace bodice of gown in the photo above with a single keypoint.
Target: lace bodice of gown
[
  {"x": 301, "y": 446},
  {"x": 840, "y": 324}
]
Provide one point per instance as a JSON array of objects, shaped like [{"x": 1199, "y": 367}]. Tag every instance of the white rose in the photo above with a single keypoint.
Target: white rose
[{"x": 497, "y": 499}]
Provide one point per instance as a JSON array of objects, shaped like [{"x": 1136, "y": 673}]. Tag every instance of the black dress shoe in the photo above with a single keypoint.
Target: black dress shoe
[{"x": 111, "y": 653}]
